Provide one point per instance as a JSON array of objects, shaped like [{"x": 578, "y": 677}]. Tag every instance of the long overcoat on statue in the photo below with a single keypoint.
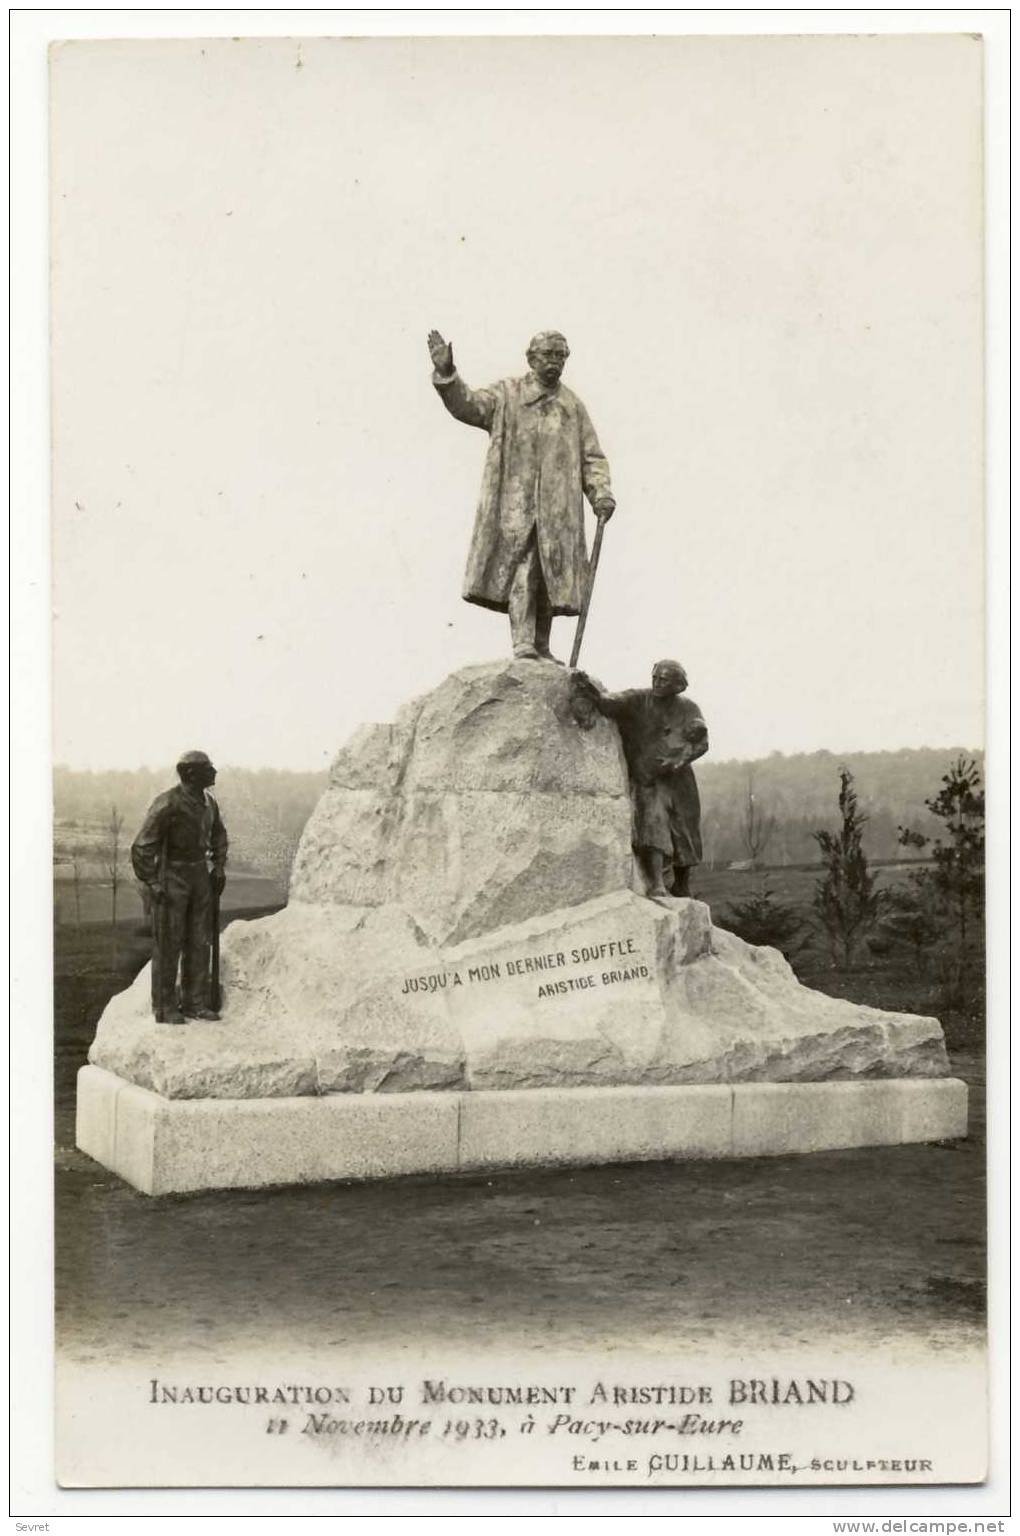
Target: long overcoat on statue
[{"x": 543, "y": 459}]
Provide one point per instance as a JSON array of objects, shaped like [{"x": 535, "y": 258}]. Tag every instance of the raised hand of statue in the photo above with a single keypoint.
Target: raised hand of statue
[{"x": 441, "y": 353}]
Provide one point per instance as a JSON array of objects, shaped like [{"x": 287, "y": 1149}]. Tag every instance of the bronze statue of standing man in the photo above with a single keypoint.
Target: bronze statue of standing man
[
  {"x": 528, "y": 556},
  {"x": 663, "y": 734},
  {"x": 180, "y": 856}
]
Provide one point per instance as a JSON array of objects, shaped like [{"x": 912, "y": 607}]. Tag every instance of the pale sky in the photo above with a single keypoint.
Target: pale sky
[{"x": 766, "y": 256}]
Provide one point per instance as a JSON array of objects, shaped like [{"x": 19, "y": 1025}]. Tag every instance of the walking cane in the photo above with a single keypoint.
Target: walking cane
[
  {"x": 215, "y": 998},
  {"x": 583, "y": 616},
  {"x": 156, "y": 921}
]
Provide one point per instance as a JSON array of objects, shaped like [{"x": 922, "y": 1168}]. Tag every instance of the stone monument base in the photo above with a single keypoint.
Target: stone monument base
[
  {"x": 167, "y": 1146},
  {"x": 465, "y": 977}
]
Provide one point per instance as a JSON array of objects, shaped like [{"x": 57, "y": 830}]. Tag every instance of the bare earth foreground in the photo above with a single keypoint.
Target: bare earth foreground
[{"x": 866, "y": 1247}]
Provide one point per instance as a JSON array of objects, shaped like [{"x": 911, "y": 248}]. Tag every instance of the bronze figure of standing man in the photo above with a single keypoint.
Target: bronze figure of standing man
[
  {"x": 528, "y": 556},
  {"x": 663, "y": 734},
  {"x": 180, "y": 856}
]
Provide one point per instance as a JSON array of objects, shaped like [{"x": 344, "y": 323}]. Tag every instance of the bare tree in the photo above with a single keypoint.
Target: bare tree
[
  {"x": 114, "y": 828},
  {"x": 757, "y": 826},
  {"x": 76, "y": 882}
]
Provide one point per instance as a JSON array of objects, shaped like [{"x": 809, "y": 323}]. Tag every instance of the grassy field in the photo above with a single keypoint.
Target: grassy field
[
  {"x": 793, "y": 885},
  {"x": 94, "y": 898},
  {"x": 891, "y": 981}
]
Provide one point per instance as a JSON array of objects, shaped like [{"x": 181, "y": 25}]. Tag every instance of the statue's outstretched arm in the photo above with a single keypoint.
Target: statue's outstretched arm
[
  {"x": 613, "y": 705},
  {"x": 617, "y": 705},
  {"x": 475, "y": 407}
]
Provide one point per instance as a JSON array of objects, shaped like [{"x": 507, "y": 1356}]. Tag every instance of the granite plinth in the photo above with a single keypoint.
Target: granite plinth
[{"x": 176, "y": 1146}]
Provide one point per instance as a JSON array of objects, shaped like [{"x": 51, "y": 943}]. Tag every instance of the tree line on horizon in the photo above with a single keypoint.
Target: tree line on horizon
[
  {"x": 265, "y": 810},
  {"x": 763, "y": 813},
  {"x": 766, "y": 812}
]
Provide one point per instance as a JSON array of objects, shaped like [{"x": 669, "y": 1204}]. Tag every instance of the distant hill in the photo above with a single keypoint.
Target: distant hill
[{"x": 266, "y": 808}]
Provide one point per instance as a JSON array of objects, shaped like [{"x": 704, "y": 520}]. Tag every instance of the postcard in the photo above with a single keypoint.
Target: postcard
[{"x": 517, "y": 515}]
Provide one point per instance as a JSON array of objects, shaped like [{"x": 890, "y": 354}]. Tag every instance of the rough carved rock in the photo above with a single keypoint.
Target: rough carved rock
[
  {"x": 481, "y": 805},
  {"x": 340, "y": 999},
  {"x": 451, "y": 894}
]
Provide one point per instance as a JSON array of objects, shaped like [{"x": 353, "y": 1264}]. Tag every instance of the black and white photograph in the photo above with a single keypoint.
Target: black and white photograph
[{"x": 518, "y": 761}]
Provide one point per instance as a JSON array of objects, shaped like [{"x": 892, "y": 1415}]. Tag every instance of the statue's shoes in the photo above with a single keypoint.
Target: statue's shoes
[
  {"x": 548, "y": 656},
  {"x": 525, "y": 653},
  {"x": 201, "y": 1013},
  {"x": 171, "y": 1016}
]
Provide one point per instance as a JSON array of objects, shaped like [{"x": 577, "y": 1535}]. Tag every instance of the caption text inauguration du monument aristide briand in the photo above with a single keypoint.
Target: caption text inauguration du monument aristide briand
[{"x": 642, "y": 1430}]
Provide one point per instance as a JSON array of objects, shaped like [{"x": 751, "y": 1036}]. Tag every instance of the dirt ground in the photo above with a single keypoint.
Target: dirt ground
[{"x": 880, "y": 1246}]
